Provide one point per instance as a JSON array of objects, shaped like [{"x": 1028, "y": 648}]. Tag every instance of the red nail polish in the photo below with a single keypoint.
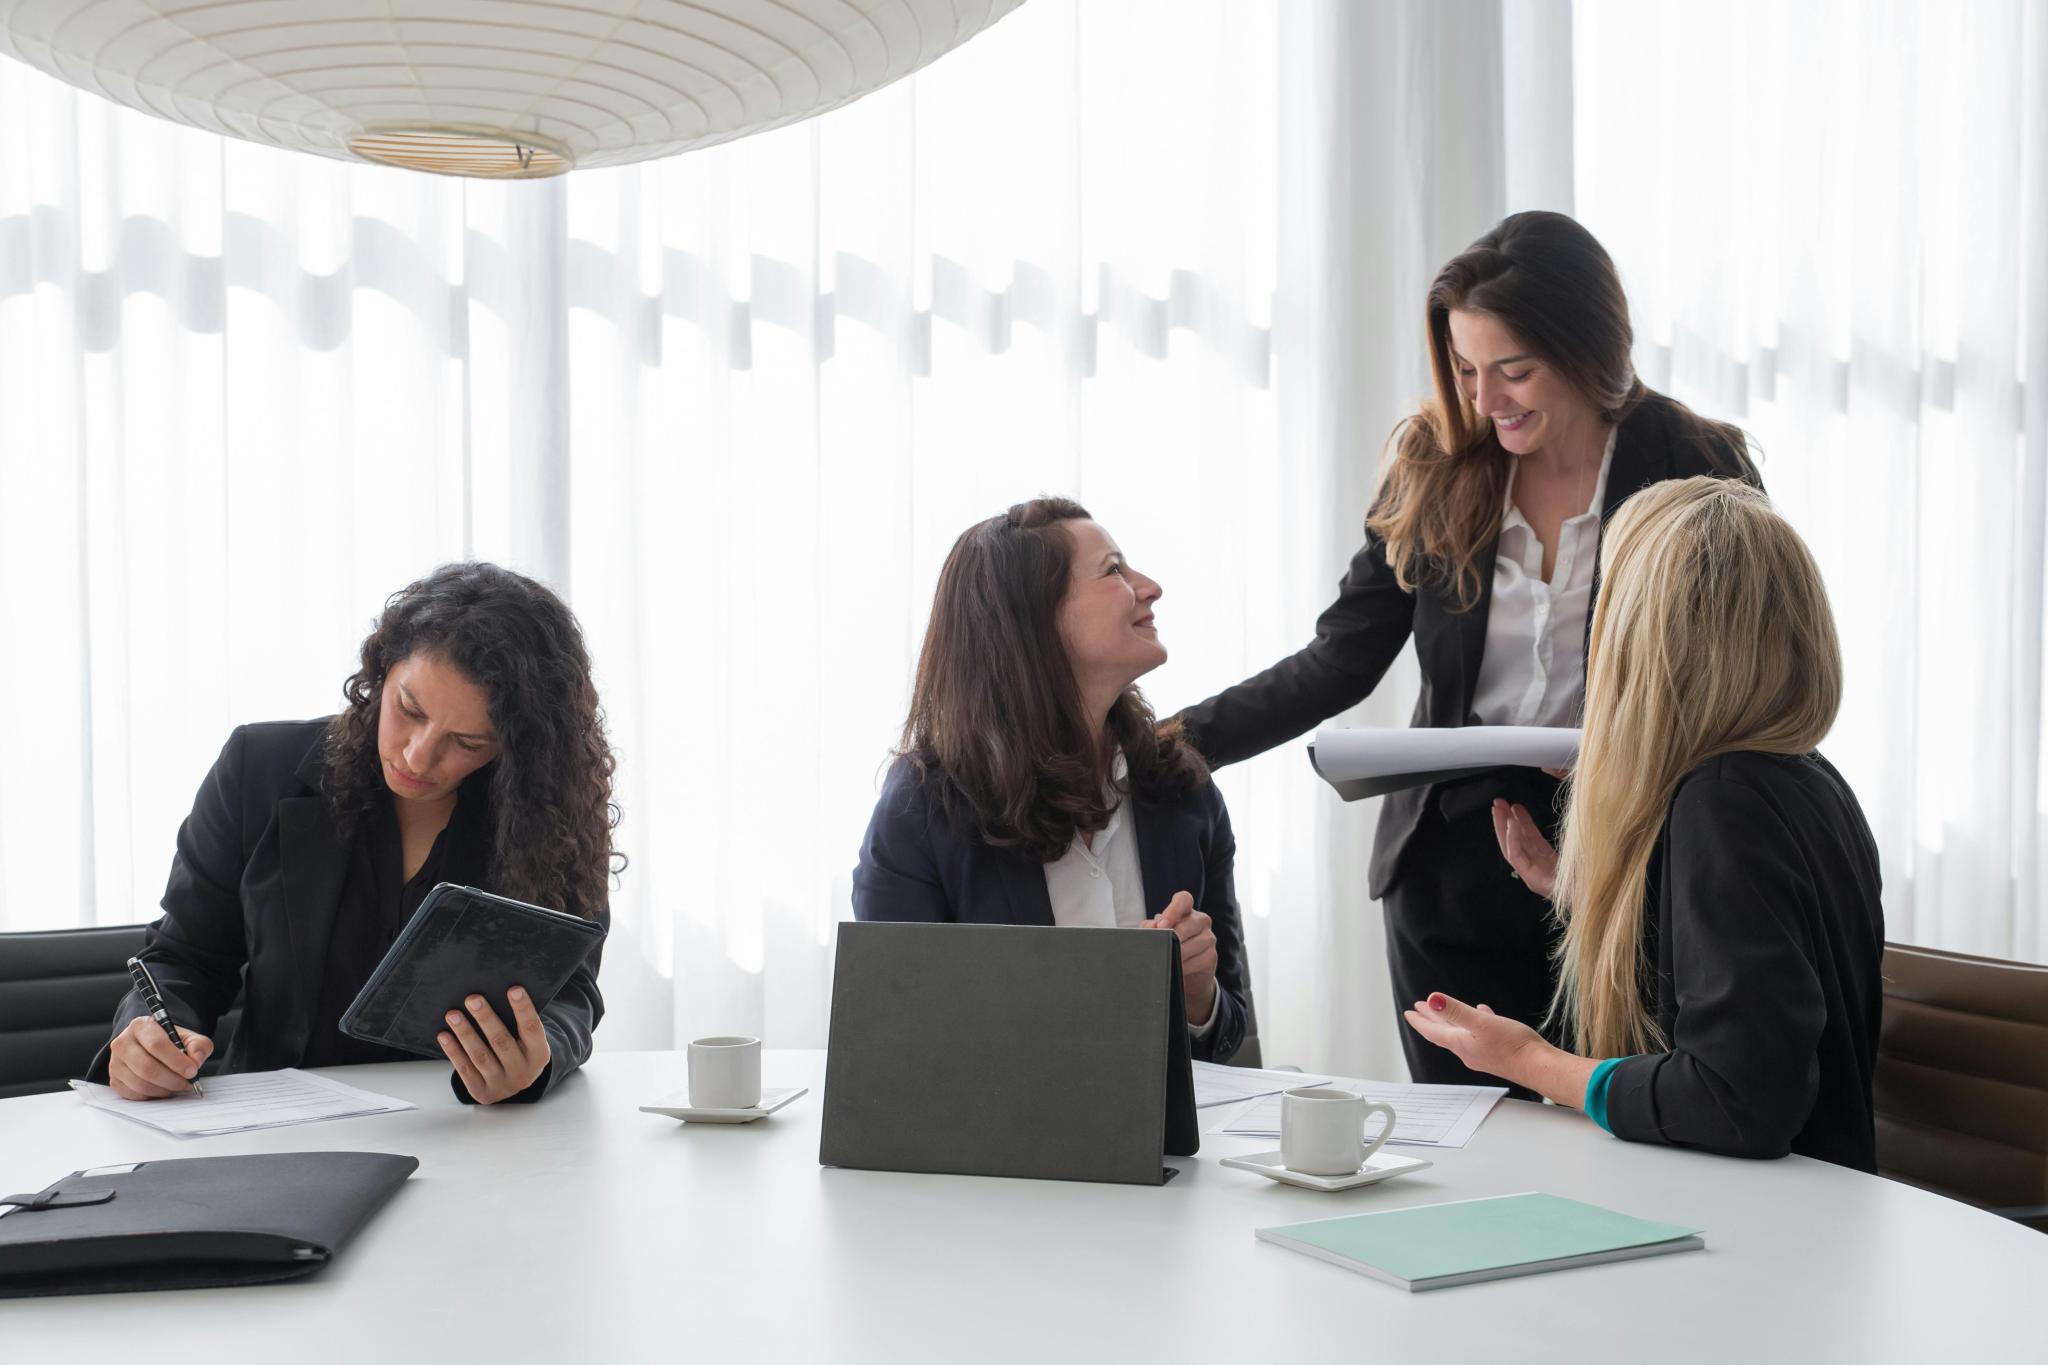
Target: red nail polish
[{"x": 1436, "y": 1002}]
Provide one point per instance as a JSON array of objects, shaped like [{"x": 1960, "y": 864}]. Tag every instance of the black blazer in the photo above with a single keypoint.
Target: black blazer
[
  {"x": 250, "y": 906},
  {"x": 1768, "y": 935},
  {"x": 915, "y": 866},
  {"x": 1359, "y": 636}
]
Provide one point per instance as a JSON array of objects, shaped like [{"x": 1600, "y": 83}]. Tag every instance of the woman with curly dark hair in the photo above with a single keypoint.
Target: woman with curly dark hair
[
  {"x": 472, "y": 750},
  {"x": 1033, "y": 786}
]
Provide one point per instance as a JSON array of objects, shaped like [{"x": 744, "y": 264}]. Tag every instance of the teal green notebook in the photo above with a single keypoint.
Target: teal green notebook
[{"x": 1439, "y": 1245}]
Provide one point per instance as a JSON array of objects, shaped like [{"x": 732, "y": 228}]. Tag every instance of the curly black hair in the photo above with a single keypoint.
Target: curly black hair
[{"x": 551, "y": 782}]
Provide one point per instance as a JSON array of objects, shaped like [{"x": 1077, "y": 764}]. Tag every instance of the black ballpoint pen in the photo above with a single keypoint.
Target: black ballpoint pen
[{"x": 154, "y": 1003}]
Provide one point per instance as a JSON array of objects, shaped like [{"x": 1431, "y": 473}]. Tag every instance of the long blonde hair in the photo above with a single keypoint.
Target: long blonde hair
[{"x": 1712, "y": 634}]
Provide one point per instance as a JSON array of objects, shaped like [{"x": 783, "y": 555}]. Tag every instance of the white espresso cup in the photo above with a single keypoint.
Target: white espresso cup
[
  {"x": 725, "y": 1073},
  {"x": 1322, "y": 1130}
]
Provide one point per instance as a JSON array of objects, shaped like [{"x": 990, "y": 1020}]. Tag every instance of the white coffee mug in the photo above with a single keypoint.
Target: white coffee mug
[
  {"x": 1322, "y": 1130},
  {"x": 725, "y": 1073}
]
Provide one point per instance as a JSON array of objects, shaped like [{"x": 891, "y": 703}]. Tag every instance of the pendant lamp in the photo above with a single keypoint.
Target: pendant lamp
[{"x": 507, "y": 89}]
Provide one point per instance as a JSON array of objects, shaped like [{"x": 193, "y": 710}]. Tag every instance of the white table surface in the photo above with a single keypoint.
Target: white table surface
[{"x": 583, "y": 1230}]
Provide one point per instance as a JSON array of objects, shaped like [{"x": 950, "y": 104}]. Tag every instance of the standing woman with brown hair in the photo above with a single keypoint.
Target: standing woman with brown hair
[{"x": 1483, "y": 547}]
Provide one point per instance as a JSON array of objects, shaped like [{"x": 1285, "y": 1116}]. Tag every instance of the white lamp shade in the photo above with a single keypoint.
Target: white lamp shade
[{"x": 502, "y": 88}]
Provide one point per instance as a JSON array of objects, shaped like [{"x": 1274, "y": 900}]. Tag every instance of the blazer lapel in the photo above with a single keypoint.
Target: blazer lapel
[
  {"x": 1469, "y": 627},
  {"x": 1166, "y": 863},
  {"x": 313, "y": 866},
  {"x": 1641, "y": 457},
  {"x": 1451, "y": 644},
  {"x": 1024, "y": 885}
]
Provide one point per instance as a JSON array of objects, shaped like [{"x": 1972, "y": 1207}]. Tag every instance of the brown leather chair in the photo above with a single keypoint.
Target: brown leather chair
[{"x": 1962, "y": 1079}]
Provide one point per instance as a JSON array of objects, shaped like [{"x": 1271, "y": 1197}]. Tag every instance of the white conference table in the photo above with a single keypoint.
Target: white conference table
[{"x": 580, "y": 1229}]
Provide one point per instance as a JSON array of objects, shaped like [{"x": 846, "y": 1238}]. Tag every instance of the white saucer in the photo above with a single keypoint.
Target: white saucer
[
  {"x": 677, "y": 1106},
  {"x": 1384, "y": 1165}
]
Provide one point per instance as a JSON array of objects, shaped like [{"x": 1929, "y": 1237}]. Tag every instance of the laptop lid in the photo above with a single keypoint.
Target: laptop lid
[{"x": 1016, "y": 1050}]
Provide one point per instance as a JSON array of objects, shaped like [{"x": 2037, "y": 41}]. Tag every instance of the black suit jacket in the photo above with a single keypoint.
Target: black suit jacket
[
  {"x": 1359, "y": 636},
  {"x": 250, "y": 907},
  {"x": 1768, "y": 937},
  {"x": 915, "y": 866}
]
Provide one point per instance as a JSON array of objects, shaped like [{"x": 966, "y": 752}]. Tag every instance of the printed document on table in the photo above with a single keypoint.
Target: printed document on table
[
  {"x": 239, "y": 1103},
  {"x": 1216, "y": 1085},
  {"x": 1424, "y": 1115},
  {"x": 1372, "y": 761}
]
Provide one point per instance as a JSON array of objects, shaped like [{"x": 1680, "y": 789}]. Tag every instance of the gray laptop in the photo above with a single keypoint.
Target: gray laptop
[{"x": 984, "y": 1049}]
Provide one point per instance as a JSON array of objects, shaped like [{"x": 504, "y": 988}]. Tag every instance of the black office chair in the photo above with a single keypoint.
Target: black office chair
[{"x": 58, "y": 990}]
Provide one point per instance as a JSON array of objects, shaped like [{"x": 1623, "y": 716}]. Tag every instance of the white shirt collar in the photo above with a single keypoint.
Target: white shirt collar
[
  {"x": 1117, "y": 773},
  {"x": 1511, "y": 515}
]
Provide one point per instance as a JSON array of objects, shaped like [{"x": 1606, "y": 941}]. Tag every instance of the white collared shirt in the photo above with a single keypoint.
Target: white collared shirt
[
  {"x": 1534, "y": 669},
  {"x": 1098, "y": 884},
  {"x": 1100, "y": 887}
]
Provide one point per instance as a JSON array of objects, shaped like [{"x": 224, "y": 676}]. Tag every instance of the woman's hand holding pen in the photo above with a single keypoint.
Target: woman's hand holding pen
[
  {"x": 1525, "y": 848},
  {"x": 144, "y": 1064},
  {"x": 496, "y": 1063},
  {"x": 1197, "y": 953}
]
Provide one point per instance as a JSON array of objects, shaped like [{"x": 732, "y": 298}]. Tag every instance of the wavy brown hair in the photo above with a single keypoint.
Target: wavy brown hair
[
  {"x": 996, "y": 716},
  {"x": 1552, "y": 285},
  {"x": 551, "y": 783}
]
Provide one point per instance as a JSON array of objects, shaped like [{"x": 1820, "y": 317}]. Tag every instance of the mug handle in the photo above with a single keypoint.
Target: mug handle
[{"x": 1386, "y": 1130}]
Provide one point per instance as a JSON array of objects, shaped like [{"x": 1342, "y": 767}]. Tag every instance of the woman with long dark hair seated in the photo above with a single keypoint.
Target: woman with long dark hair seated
[
  {"x": 1717, "y": 883},
  {"x": 1032, "y": 785},
  {"x": 471, "y": 751}
]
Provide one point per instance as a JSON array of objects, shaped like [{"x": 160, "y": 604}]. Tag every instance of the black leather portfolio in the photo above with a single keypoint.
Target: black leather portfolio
[
  {"x": 192, "y": 1223},
  {"x": 982, "y": 1049},
  {"x": 463, "y": 942}
]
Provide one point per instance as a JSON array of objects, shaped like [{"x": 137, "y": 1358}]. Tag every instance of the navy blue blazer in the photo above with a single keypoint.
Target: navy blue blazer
[{"x": 914, "y": 866}]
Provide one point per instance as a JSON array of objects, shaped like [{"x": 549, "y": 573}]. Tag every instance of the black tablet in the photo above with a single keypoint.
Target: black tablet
[{"x": 463, "y": 942}]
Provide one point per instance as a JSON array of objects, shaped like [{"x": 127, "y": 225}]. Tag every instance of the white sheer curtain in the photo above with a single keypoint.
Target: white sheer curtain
[
  {"x": 840, "y": 345},
  {"x": 1163, "y": 256},
  {"x": 1029, "y": 270},
  {"x": 1832, "y": 219}
]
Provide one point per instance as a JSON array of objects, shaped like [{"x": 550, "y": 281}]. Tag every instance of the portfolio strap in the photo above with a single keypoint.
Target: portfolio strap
[{"x": 55, "y": 1198}]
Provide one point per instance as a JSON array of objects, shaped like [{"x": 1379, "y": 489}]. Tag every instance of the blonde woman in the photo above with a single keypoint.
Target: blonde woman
[{"x": 1717, "y": 883}]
